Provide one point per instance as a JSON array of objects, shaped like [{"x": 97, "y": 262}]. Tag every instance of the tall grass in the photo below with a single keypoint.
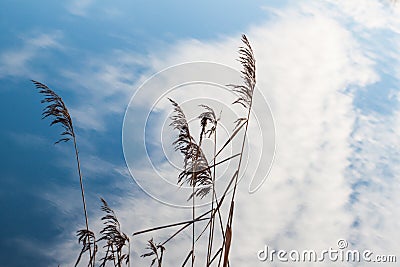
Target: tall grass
[
  {"x": 58, "y": 112},
  {"x": 198, "y": 172}
]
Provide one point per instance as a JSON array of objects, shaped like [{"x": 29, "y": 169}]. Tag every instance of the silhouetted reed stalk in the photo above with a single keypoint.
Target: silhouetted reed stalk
[
  {"x": 209, "y": 117},
  {"x": 194, "y": 160},
  {"x": 57, "y": 109},
  {"x": 156, "y": 250},
  {"x": 245, "y": 99},
  {"x": 115, "y": 239}
]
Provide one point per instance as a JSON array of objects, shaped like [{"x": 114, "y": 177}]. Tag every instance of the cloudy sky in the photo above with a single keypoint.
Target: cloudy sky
[{"x": 328, "y": 72}]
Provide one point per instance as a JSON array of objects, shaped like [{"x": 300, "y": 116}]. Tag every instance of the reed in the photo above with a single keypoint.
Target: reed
[
  {"x": 114, "y": 238},
  {"x": 197, "y": 169},
  {"x": 57, "y": 110},
  {"x": 198, "y": 172}
]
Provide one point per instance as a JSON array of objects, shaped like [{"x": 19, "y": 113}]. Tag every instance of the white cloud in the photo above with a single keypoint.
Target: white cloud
[
  {"x": 44, "y": 40},
  {"x": 375, "y": 178},
  {"x": 79, "y": 7},
  {"x": 306, "y": 59},
  {"x": 17, "y": 62},
  {"x": 27, "y": 139},
  {"x": 370, "y": 14},
  {"x": 104, "y": 86},
  {"x": 305, "y": 64}
]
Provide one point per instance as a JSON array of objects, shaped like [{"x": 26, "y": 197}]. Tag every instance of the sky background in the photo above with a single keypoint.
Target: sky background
[{"x": 330, "y": 71}]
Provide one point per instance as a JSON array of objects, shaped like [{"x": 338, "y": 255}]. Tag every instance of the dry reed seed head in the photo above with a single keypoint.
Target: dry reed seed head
[
  {"x": 196, "y": 171},
  {"x": 248, "y": 62},
  {"x": 154, "y": 248},
  {"x": 206, "y": 117},
  {"x": 83, "y": 234},
  {"x": 57, "y": 110},
  {"x": 115, "y": 239},
  {"x": 88, "y": 240},
  {"x": 179, "y": 122}
]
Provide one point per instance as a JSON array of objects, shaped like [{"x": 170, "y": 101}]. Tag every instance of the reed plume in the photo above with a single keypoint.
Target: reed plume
[
  {"x": 115, "y": 239},
  {"x": 245, "y": 92},
  {"x": 88, "y": 240},
  {"x": 196, "y": 171},
  {"x": 248, "y": 62},
  {"x": 208, "y": 116},
  {"x": 58, "y": 111},
  {"x": 156, "y": 250}
]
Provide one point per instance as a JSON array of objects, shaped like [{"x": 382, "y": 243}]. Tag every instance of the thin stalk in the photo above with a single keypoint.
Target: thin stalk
[
  {"x": 237, "y": 130},
  {"x": 193, "y": 205},
  {"x": 193, "y": 200},
  {"x": 113, "y": 251},
  {"x": 56, "y": 109},
  {"x": 193, "y": 226},
  {"x": 216, "y": 164},
  {"x": 82, "y": 190},
  {"x": 129, "y": 253},
  {"x": 216, "y": 254},
  {"x": 199, "y": 218},
  {"x": 208, "y": 224},
  {"x": 106, "y": 256},
  {"x": 94, "y": 250},
  {"x": 184, "y": 227},
  {"x": 242, "y": 149},
  {"x": 231, "y": 211},
  {"x": 212, "y": 219},
  {"x": 187, "y": 258}
]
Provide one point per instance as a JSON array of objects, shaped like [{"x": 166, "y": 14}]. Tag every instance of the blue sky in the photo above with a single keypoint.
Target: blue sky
[
  {"x": 330, "y": 71},
  {"x": 32, "y": 165}
]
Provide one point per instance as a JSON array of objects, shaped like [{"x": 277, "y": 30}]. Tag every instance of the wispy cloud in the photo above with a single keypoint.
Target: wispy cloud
[
  {"x": 370, "y": 14},
  {"x": 335, "y": 168},
  {"x": 27, "y": 139},
  {"x": 376, "y": 182},
  {"x": 18, "y": 61},
  {"x": 305, "y": 74},
  {"x": 108, "y": 83},
  {"x": 79, "y": 7}
]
